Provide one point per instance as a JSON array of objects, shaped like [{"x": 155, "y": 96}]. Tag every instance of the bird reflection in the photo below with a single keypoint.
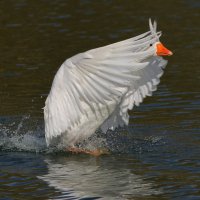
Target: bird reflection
[{"x": 106, "y": 177}]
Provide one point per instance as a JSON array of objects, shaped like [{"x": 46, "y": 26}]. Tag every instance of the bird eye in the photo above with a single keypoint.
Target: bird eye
[{"x": 150, "y": 45}]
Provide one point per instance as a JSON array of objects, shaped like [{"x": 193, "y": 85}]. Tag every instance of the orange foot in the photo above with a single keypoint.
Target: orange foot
[{"x": 96, "y": 152}]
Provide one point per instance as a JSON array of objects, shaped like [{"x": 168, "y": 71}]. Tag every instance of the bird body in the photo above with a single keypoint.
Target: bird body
[{"x": 95, "y": 89}]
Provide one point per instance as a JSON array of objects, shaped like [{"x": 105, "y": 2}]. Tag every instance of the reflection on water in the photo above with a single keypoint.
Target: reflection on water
[
  {"x": 164, "y": 132},
  {"x": 105, "y": 178},
  {"x": 65, "y": 176}
]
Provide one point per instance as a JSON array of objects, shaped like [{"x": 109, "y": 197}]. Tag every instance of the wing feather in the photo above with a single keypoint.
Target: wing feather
[
  {"x": 150, "y": 78},
  {"x": 122, "y": 74}
]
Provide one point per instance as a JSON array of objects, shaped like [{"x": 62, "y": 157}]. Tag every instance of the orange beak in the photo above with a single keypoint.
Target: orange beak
[{"x": 162, "y": 51}]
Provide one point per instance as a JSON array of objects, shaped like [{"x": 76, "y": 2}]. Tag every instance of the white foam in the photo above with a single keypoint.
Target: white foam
[
  {"x": 27, "y": 134},
  {"x": 21, "y": 134}
]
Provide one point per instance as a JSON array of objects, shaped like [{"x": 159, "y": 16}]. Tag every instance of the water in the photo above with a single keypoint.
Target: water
[{"x": 156, "y": 157}]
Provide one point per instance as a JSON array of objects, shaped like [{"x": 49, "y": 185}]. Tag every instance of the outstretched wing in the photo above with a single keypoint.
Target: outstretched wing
[
  {"x": 101, "y": 77},
  {"x": 149, "y": 79}
]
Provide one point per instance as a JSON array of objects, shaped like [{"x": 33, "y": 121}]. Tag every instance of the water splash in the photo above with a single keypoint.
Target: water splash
[
  {"x": 21, "y": 134},
  {"x": 27, "y": 134}
]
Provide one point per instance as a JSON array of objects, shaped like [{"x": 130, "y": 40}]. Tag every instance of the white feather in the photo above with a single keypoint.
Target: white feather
[{"x": 96, "y": 88}]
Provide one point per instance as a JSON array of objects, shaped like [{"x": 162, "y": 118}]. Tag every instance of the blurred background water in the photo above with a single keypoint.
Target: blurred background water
[{"x": 156, "y": 157}]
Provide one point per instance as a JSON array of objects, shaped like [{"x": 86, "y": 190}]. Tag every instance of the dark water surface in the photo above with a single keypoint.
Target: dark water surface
[{"x": 156, "y": 157}]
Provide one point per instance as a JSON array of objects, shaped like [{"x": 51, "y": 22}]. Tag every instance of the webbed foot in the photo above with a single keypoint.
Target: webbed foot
[{"x": 96, "y": 152}]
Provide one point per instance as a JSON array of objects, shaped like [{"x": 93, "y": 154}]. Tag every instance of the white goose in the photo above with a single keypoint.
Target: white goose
[{"x": 95, "y": 89}]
